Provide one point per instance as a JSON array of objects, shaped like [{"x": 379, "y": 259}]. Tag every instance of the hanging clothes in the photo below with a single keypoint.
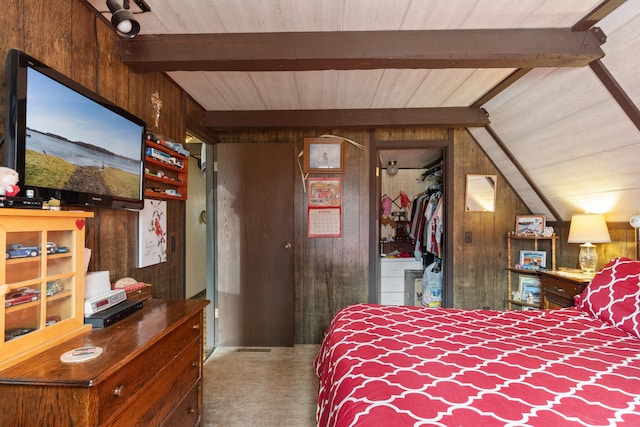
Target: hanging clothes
[
  {"x": 427, "y": 222},
  {"x": 433, "y": 230}
]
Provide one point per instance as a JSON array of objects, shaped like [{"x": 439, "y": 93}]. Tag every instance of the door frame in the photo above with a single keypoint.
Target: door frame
[{"x": 447, "y": 146}]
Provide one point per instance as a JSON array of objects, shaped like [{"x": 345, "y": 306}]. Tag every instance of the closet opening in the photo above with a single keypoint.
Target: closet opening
[{"x": 409, "y": 226}]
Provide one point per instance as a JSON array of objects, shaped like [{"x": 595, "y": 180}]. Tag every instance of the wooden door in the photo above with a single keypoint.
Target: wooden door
[{"x": 255, "y": 234}]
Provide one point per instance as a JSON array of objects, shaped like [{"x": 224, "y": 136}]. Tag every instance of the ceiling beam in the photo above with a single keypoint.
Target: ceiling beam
[
  {"x": 618, "y": 93},
  {"x": 596, "y": 15},
  {"x": 516, "y": 163},
  {"x": 503, "y": 85},
  {"x": 350, "y": 50},
  {"x": 285, "y": 119}
]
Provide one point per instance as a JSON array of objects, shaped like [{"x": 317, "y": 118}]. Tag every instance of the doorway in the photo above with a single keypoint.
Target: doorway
[
  {"x": 199, "y": 231},
  {"x": 386, "y": 151}
]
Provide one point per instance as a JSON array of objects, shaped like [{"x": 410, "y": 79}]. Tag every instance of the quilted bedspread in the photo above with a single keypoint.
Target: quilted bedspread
[{"x": 412, "y": 366}]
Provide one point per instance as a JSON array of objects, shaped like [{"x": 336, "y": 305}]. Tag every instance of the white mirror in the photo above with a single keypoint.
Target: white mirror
[{"x": 481, "y": 193}]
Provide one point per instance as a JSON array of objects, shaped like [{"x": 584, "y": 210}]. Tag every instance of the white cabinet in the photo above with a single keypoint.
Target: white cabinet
[{"x": 392, "y": 283}]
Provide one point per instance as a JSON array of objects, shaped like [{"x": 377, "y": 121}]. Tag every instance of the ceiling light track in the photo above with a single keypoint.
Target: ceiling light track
[{"x": 123, "y": 20}]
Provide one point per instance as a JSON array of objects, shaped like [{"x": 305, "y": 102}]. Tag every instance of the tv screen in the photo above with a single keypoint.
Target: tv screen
[{"x": 68, "y": 143}]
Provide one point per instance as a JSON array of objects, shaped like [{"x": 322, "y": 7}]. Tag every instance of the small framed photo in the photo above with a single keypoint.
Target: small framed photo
[
  {"x": 530, "y": 225},
  {"x": 529, "y": 289},
  {"x": 323, "y": 155},
  {"x": 533, "y": 260}
]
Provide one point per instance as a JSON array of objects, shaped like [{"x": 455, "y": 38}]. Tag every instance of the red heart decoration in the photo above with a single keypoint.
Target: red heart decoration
[{"x": 80, "y": 223}]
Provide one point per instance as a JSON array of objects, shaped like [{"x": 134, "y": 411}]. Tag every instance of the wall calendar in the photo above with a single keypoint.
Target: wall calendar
[{"x": 324, "y": 207}]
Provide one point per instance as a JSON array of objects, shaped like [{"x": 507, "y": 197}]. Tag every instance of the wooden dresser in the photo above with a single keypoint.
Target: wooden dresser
[
  {"x": 559, "y": 287},
  {"x": 148, "y": 374}
]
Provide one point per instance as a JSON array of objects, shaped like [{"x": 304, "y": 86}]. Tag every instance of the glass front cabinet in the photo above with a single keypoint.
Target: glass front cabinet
[{"x": 41, "y": 280}]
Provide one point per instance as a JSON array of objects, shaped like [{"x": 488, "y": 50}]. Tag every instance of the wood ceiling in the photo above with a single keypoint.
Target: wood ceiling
[{"x": 547, "y": 87}]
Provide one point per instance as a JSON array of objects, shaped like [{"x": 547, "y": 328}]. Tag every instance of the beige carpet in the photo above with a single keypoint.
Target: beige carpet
[{"x": 263, "y": 387}]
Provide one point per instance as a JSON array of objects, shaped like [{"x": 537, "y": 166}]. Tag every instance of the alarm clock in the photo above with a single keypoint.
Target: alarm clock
[
  {"x": 103, "y": 301},
  {"x": 635, "y": 221}
]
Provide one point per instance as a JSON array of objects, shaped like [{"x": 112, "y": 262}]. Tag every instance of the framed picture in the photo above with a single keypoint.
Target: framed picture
[
  {"x": 529, "y": 289},
  {"x": 530, "y": 225},
  {"x": 324, "y": 192},
  {"x": 323, "y": 155},
  {"x": 533, "y": 260},
  {"x": 324, "y": 211},
  {"x": 152, "y": 233}
]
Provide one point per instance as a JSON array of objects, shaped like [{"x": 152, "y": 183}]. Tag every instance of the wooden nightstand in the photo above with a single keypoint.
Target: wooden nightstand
[{"x": 559, "y": 286}]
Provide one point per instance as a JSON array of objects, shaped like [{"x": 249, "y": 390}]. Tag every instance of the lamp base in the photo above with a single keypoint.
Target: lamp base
[{"x": 588, "y": 258}]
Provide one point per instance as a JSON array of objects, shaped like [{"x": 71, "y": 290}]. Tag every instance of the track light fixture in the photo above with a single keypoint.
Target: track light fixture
[{"x": 123, "y": 20}]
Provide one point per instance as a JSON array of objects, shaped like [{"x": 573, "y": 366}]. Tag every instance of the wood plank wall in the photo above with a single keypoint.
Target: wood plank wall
[
  {"x": 68, "y": 37},
  {"x": 333, "y": 273},
  {"x": 329, "y": 273}
]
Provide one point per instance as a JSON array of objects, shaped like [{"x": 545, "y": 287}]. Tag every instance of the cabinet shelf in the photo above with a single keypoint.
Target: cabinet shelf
[
  {"x": 23, "y": 306},
  {"x": 165, "y": 166},
  {"x": 163, "y": 178},
  {"x": 525, "y": 270},
  {"x": 523, "y": 303},
  {"x": 26, "y": 260},
  {"x": 59, "y": 296},
  {"x": 514, "y": 273},
  {"x": 166, "y": 180},
  {"x": 154, "y": 194}
]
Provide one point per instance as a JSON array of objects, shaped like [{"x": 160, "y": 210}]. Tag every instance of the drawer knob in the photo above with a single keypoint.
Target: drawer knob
[
  {"x": 558, "y": 289},
  {"x": 119, "y": 391},
  {"x": 196, "y": 326},
  {"x": 191, "y": 410}
]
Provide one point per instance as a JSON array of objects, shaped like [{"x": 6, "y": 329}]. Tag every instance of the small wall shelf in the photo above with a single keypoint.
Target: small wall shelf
[{"x": 164, "y": 179}]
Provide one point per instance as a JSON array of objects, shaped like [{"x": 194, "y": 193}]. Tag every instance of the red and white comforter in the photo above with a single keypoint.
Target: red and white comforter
[{"x": 411, "y": 366}]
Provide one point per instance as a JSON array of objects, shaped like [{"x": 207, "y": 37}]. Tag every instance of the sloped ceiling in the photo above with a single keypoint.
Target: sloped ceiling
[{"x": 562, "y": 121}]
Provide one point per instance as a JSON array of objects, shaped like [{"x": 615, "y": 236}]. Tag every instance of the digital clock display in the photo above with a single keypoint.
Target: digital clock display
[{"x": 102, "y": 302}]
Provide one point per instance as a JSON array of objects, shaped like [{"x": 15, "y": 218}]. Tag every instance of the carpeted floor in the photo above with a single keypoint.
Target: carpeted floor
[{"x": 263, "y": 387}]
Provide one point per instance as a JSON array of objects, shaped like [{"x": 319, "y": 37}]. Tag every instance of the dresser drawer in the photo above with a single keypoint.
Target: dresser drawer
[
  {"x": 392, "y": 298},
  {"x": 164, "y": 392},
  {"x": 395, "y": 267},
  {"x": 119, "y": 389},
  {"x": 140, "y": 294},
  {"x": 392, "y": 284},
  {"x": 188, "y": 413}
]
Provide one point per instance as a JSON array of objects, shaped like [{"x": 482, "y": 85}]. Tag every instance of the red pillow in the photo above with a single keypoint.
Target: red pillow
[{"x": 613, "y": 295}]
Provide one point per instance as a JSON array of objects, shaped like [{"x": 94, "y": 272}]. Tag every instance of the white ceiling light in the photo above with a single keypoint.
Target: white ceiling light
[{"x": 392, "y": 169}]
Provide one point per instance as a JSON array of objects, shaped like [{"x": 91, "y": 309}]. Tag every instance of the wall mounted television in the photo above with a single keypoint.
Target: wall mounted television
[{"x": 67, "y": 142}]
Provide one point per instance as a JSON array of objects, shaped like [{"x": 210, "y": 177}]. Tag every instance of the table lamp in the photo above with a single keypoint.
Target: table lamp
[
  {"x": 588, "y": 229},
  {"x": 635, "y": 223}
]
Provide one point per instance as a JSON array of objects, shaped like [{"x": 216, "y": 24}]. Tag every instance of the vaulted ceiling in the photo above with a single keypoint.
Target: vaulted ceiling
[{"x": 548, "y": 88}]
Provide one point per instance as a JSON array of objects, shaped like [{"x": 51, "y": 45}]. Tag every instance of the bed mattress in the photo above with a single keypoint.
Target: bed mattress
[{"x": 414, "y": 366}]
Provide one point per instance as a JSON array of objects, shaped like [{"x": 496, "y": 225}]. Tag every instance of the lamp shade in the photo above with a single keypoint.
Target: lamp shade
[{"x": 588, "y": 228}]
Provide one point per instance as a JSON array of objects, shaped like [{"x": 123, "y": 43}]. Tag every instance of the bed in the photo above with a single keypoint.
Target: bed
[{"x": 413, "y": 366}]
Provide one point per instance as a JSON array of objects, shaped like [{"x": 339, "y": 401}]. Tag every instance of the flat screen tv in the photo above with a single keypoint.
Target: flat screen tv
[{"x": 67, "y": 142}]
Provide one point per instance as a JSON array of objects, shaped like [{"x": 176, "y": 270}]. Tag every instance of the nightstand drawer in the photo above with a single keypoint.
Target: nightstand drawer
[{"x": 560, "y": 287}]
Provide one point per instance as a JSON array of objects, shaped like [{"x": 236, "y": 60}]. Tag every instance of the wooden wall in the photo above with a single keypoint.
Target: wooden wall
[
  {"x": 329, "y": 273},
  {"x": 333, "y": 273},
  {"x": 68, "y": 37}
]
